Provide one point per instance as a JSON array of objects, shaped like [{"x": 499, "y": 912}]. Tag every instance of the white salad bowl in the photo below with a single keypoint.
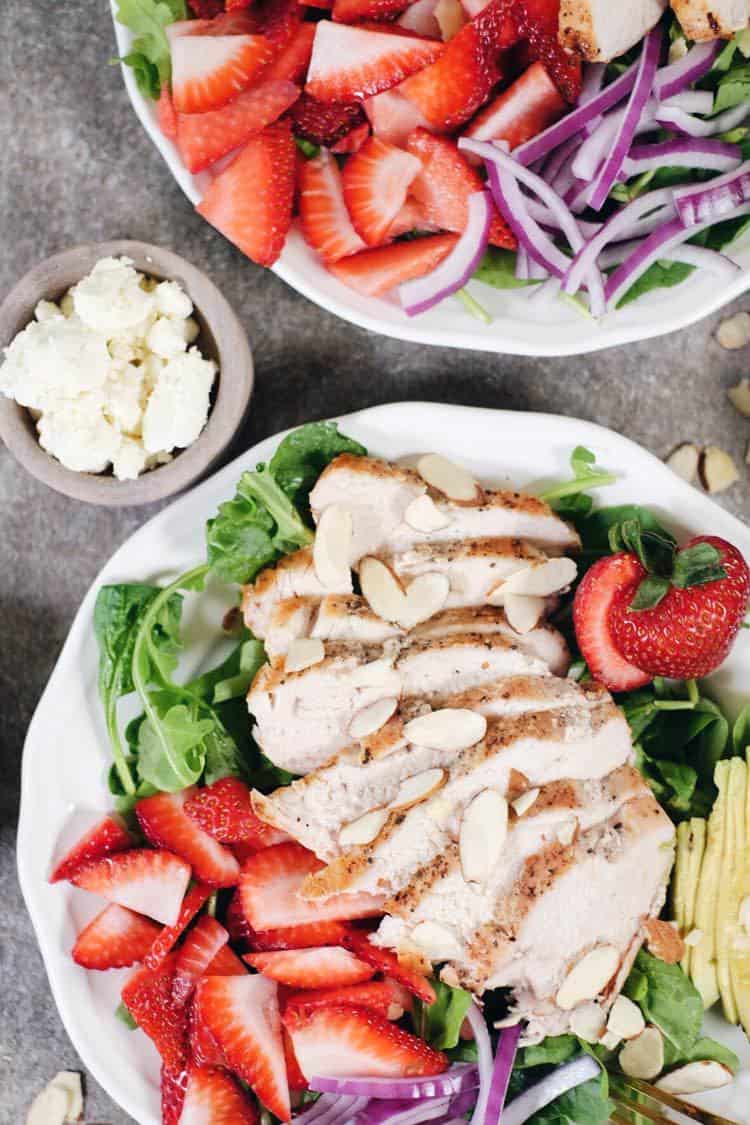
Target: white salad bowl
[
  {"x": 518, "y": 327},
  {"x": 499, "y": 447}
]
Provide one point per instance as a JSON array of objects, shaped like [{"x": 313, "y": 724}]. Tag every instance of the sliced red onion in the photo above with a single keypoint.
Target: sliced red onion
[
  {"x": 620, "y": 226},
  {"x": 546, "y": 218},
  {"x": 699, "y": 203},
  {"x": 382, "y": 1112},
  {"x": 671, "y": 117},
  {"x": 558, "y": 160},
  {"x": 459, "y": 267},
  {"x": 455, "y": 1080},
  {"x": 709, "y": 260},
  {"x": 549, "y": 289},
  {"x": 593, "y": 80},
  {"x": 637, "y": 103},
  {"x": 504, "y": 1058},
  {"x": 537, "y": 272},
  {"x": 330, "y": 1108},
  {"x": 706, "y": 154},
  {"x": 692, "y": 101},
  {"x": 673, "y": 79},
  {"x": 512, "y": 204},
  {"x": 522, "y": 264},
  {"x": 565, "y": 1078},
  {"x": 475, "y": 1016},
  {"x": 548, "y": 140},
  {"x": 658, "y": 245}
]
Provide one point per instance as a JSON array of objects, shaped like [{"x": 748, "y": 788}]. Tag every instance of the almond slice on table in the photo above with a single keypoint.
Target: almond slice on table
[
  {"x": 332, "y": 548},
  {"x": 539, "y": 580},
  {"x": 523, "y": 613},
  {"x": 436, "y": 942},
  {"x": 304, "y": 653},
  {"x": 484, "y": 828},
  {"x": 643, "y": 1057},
  {"x": 423, "y": 514},
  {"x": 364, "y": 829},
  {"x": 734, "y": 332},
  {"x": 523, "y": 803},
  {"x": 589, "y": 977},
  {"x": 625, "y": 1019},
  {"x": 684, "y": 461},
  {"x": 739, "y": 396},
  {"x": 696, "y": 1078},
  {"x": 372, "y": 718},
  {"x": 588, "y": 1022},
  {"x": 450, "y": 728},
  {"x": 452, "y": 480},
  {"x": 49, "y": 1107},
  {"x": 717, "y": 470},
  {"x": 418, "y": 788}
]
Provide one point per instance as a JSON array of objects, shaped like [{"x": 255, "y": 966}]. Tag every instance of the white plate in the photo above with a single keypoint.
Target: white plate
[
  {"x": 518, "y": 327},
  {"x": 66, "y": 754}
]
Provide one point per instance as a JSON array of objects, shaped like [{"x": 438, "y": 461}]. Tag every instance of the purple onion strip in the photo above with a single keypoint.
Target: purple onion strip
[
  {"x": 705, "y": 154},
  {"x": 678, "y": 76},
  {"x": 699, "y": 203},
  {"x": 671, "y": 117}
]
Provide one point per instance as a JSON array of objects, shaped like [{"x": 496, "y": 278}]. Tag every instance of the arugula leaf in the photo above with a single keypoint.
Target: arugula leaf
[
  {"x": 670, "y": 1001},
  {"x": 150, "y": 56},
  {"x": 302, "y": 456},
  {"x": 733, "y": 89},
  {"x": 498, "y": 269},
  {"x": 171, "y": 751},
  {"x": 440, "y": 1023},
  {"x": 587, "y": 1103},
  {"x": 586, "y": 475}
]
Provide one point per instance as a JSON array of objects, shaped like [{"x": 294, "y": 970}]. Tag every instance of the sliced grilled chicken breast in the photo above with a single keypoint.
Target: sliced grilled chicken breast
[
  {"x": 544, "y": 642},
  {"x": 292, "y": 577},
  {"x": 351, "y": 619},
  {"x": 446, "y": 665},
  {"x": 599, "y": 30},
  {"x": 509, "y": 696},
  {"x": 711, "y": 19},
  {"x": 288, "y": 621},
  {"x": 378, "y": 494}
]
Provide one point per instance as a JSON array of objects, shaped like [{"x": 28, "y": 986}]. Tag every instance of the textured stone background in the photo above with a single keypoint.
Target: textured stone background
[{"x": 76, "y": 166}]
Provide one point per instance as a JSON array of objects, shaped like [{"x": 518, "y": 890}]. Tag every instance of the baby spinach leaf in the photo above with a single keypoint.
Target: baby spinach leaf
[
  {"x": 704, "y": 1049},
  {"x": 302, "y": 456},
  {"x": 733, "y": 89},
  {"x": 552, "y": 1051},
  {"x": 440, "y": 1023},
  {"x": 586, "y": 1103},
  {"x": 498, "y": 269},
  {"x": 671, "y": 1001},
  {"x": 741, "y": 731}
]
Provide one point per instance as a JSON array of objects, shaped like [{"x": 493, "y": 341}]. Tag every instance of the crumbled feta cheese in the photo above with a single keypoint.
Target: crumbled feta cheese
[{"x": 106, "y": 375}]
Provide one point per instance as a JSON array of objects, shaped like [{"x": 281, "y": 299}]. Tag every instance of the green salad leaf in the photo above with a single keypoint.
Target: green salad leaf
[
  {"x": 586, "y": 1103},
  {"x": 552, "y": 1051},
  {"x": 440, "y": 1023},
  {"x": 733, "y": 89},
  {"x": 571, "y": 498},
  {"x": 150, "y": 56},
  {"x": 668, "y": 999},
  {"x": 498, "y": 269},
  {"x": 302, "y": 456}
]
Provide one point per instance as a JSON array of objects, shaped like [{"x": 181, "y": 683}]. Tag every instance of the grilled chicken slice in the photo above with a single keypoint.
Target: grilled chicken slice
[
  {"x": 289, "y": 620},
  {"x": 377, "y": 494},
  {"x": 303, "y": 718},
  {"x": 545, "y": 642},
  {"x": 600, "y": 31},
  {"x": 712, "y": 19},
  {"x": 315, "y": 808},
  {"x": 337, "y": 617},
  {"x": 292, "y": 577},
  {"x": 574, "y": 743}
]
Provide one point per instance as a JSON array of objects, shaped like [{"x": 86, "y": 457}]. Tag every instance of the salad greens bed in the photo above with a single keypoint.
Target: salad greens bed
[{"x": 199, "y": 730}]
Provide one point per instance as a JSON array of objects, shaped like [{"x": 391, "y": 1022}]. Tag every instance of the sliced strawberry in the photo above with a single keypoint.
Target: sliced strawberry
[
  {"x": 226, "y": 964},
  {"x": 410, "y": 218},
  {"x": 353, "y": 140},
  {"x": 279, "y": 21},
  {"x": 594, "y": 599},
  {"x": 225, "y": 809},
  {"x": 240, "y": 930},
  {"x": 237, "y": 5},
  {"x": 165, "y": 114},
  {"x": 324, "y": 123},
  {"x": 104, "y": 838},
  {"x": 148, "y": 998},
  {"x": 196, "y": 953},
  {"x": 166, "y": 824},
  {"x": 294, "y": 1076},
  {"x": 376, "y": 181},
  {"x": 420, "y": 17},
  {"x": 346, "y": 1041},
  {"x": 393, "y": 117},
  {"x": 525, "y": 109},
  {"x": 445, "y": 183},
  {"x": 250, "y": 202},
  {"x": 270, "y": 885},
  {"x": 242, "y": 1015},
  {"x": 213, "y": 1097},
  {"x": 375, "y": 272},
  {"x": 306, "y": 936},
  {"x": 206, "y": 9},
  {"x": 354, "y": 11},
  {"x": 173, "y": 1085},
  {"x": 116, "y": 938},
  {"x": 203, "y": 1048},
  {"x": 150, "y": 882},
  {"x": 358, "y": 941},
  {"x": 311, "y": 968},
  {"x": 403, "y": 999},
  {"x": 203, "y": 138},
  {"x": 240, "y": 22},
  {"x": 353, "y": 63},
  {"x": 191, "y": 904},
  {"x": 538, "y": 24},
  {"x": 292, "y": 63},
  {"x": 451, "y": 90},
  {"x": 325, "y": 220},
  {"x": 379, "y": 995},
  {"x": 208, "y": 71}
]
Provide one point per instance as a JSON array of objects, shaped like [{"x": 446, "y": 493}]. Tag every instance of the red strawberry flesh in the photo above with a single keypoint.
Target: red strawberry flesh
[
  {"x": 115, "y": 939},
  {"x": 312, "y": 968},
  {"x": 103, "y": 838},
  {"x": 166, "y": 824},
  {"x": 149, "y": 882},
  {"x": 592, "y": 605}
]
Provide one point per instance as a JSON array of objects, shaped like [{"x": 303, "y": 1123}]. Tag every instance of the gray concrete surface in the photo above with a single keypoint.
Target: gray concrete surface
[{"x": 75, "y": 166}]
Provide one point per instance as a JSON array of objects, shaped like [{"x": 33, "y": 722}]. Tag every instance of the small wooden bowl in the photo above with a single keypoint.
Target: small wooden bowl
[{"x": 222, "y": 339}]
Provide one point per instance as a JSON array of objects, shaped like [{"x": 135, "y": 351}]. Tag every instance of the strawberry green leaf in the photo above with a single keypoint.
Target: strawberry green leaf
[{"x": 695, "y": 566}]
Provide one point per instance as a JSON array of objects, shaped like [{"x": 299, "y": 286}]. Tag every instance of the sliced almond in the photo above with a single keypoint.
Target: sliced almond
[
  {"x": 450, "y": 17},
  {"x": 452, "y": 480},
  {"x": 717, "y": 469},
  {"x": 523, "y": 613},
  {"x": 625, "y": 1019},
  {"x": 566, "y": 832},
  {"x": 523, "y": 803},
  {"x": 385, "y": 595},
  {"x": 589, "y": 977},
  {"x": 450, "y": 728},
  {"x": 739, "y": 397},
  {"x": 587, "y": 1022},
  {"x": 70, "y": 1082},
  {"x": 643, "y": 1057},
  {"x": 304, "y": 653},
  {"x": 484, "y": 828},
  {"x": 49, "y": 1107},
  {"x": 744, "y": 914},
  {"x": 663, "y": 941},
  {"x": 538, "y": 579},
  {"x": 684, "y": 461},
  {"x": 423, "y": 514},
  {"x": 696, "y": 1078},
  {"x": 364, "y": 829},
  {"x": 332, "y": 549},
  {"x": 695, "y": 937},
  {"x": 610, "y": 1041},
  {"x": 418, "y": 788},
  {"x": 734, "y": 332},
  {"x": 377, "y": 674},
  {"x": 437, "y": 942},
  {"x": 372, "y": 718},
  {"x": 425, "y": 597}
]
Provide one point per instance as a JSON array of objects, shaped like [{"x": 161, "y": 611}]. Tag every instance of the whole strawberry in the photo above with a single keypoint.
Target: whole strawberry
[{"x": 683, "y": 625}]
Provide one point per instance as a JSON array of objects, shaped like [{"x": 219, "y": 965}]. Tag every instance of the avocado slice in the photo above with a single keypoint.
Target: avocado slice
[
  {"x": 739, "y": 957},
  {"x": 730, "y": 876},
  {"x": 696, "y": 849},
  {"x": 703, "y": 955}
]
